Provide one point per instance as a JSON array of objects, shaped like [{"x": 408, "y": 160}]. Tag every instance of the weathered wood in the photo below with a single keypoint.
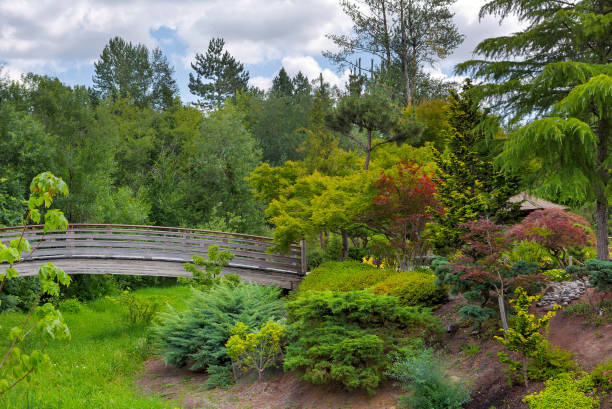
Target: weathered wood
[{"x": 150, "y": 250}]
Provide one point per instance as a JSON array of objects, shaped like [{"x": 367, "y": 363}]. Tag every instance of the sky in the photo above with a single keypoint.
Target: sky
[{"x": 63, "y": 38}]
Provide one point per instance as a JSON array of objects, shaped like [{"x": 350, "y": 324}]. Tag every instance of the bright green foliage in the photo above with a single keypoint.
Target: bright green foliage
[
  {"x": 468, "y": 184},
  {"x": 602, "y": 375},
  {"x": 213, "y": 266},
  {"x": 199, "y": 334},
  {"x": 139, "y": 310},
  {"x": 564, "y": 391},
  {"x": 549, "y": 361},
  {"x": 344, "y": 276},
  {"x": 71, "y": 306},
  {"x": 421, "y": 373},
  {"x": 416, "y": 288},
  {"x": 524, "y": 335},
  {"x": 556, "y": 274},
  {"x": 600, "y": 273},
  {"x": 346, "y": 337},
  {"x": 257, "y": 350},
  {"x": 43, "y": 323},
  {"x": 531, "y": 252}
]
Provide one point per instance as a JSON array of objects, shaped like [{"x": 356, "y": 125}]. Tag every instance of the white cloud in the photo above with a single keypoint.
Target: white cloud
[
  {"x": 261, "y": 82},
  {"x": 311, "y": 68}
]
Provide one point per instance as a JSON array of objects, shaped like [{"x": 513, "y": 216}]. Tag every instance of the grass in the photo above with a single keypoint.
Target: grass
[{"x": 97, "y": 368}]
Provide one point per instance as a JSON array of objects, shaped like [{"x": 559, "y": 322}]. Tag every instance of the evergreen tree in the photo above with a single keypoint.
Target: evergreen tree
[
  {"x": 282, "y": 85},
  {"x": 301, "y": 85},
  {"x": 224, "y": 76},
  {"x": 125, "y": 69},
  {"x": 558, "y": 69},
  {"x": 469, "y": 187}
]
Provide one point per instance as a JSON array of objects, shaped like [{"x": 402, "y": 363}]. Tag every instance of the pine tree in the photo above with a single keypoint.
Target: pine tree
[
  {"x": 557, "y": 70},
  {"x": 281, "y": 84},
  {"x": 224, "y": 76},
  {"x": 469, "y": 186},
  {"x": 301, "y": 85}
]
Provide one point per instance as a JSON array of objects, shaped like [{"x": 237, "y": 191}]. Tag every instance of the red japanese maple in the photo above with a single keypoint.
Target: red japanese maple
[
  {"x": 403, "y": 205},
  {"x": 556, "y": 230}
]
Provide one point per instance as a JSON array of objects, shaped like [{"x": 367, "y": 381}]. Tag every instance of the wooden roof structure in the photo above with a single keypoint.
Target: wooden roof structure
[{"x": 530, "y": 203}]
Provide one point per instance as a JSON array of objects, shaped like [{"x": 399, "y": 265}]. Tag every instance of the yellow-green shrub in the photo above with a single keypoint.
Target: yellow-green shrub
[
  {"x": 564, "y": 392},
  {"x": 343, "y": 276},
  {"x": 412, "y": 288}
]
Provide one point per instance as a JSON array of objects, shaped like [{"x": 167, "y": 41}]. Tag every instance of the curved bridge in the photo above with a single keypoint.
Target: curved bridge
[{"x": 154, "y": 251}]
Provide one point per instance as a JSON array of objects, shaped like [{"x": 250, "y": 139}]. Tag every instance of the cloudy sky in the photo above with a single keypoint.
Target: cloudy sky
[{"x": 64, "y": 37}]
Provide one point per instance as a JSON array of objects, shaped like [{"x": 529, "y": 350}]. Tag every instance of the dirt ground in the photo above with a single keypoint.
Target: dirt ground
[{"x": 479, "y": 367}]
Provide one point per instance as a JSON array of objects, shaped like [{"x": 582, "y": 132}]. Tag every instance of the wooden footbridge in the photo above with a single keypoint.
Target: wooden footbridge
[{"x": 154, "y": 251}]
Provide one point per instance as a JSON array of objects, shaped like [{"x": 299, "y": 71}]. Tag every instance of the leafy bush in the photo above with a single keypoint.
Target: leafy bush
[
  {"x": 421, "y": 374},
  {"x": 549, "y": 361},
  {"x": 19, "y": 293},
  {"x": 346, "y": 337},
  {"x": 258, "y": 350},
  {"x": 343, "y": 276},
  {"x": 476, "y": 314},
  {"x": 85, "y": 287},
  {"x": 198, "y": 335},
  {"x": 600, "y": 273},
  {"x": 139, "y": 310},
  {"x": 556, "y": 274},
  {"x": 314, "y": 257},
  {"x": 602, "y": 375},
  {"x": 416, "y": 288},
  {"x": 582, "y": 309},
  {"x": 71, "y": 305},
  {"x": 576, "y": 271},
  {"x": 564, "y": 392},
  {"x": 219, "y": 377},
  {"x": 522, "y": 267},
  {"x": 532, "y": 253}
]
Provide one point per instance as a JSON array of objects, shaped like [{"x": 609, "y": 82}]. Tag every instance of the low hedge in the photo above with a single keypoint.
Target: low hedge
[
  {"x": 414, "y": 288},
  {"x": 343, "y": 276}
]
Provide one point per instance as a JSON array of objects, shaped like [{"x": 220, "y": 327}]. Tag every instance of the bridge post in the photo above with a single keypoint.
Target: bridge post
[{"x": 304, "y": 266}]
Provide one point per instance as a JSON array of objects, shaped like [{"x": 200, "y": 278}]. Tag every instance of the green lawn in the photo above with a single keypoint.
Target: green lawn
[{"x": 97, "y": 368}]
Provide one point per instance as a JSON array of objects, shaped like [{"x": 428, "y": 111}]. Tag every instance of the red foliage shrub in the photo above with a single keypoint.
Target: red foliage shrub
[
  {"x": 556, "y": 230},
  {"x": 403, "y": 205}
]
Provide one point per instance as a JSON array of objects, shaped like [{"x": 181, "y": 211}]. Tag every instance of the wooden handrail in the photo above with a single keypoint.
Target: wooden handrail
[{"x": 116, "y": 241}]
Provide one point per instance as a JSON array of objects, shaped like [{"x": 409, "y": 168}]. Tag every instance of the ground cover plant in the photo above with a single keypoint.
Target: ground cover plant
[
  {"x": 98, "y": 366},
  {"x": 346, "y": 337}
]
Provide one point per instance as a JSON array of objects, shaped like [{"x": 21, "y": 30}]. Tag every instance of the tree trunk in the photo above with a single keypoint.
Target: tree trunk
[
  {"x": 525, "y": 372},
  {"x": 368, "y": 150},
  {"x": 601, "y": 215},
  {"x": 322, "y": 241},
  {"x": 344, "y": 253},
  {"x": 386, "y": 29},
  {"x": 405, "y": 54},
  {"x": 502, "y": 311}
]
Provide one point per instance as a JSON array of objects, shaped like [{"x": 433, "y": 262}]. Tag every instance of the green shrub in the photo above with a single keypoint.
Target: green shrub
[
  {"x": 19, "y": 293},
  {"x": 476, "y": 315},
  {"x": 85, "y": 287},
  {"x": 314, "y": 257},
  {"x": 421, "y": 373},
  {"x": 71, "y": 305},
  {"x": 219, "y": 377},
  {"x": 522, "y": 267},
  {"x": 414, "y": 288},
  {"x": 556, "y": 274},
  {"x": 600, "y": 273},
  {"x": 139, "y": 310},
  {"x": 346, "y": 337},
  {"x": 343, "y": 276},
  {"x": 576, "y": 272},
  {"x": 532, "y": 253},
  {"x": 549, "y": 361},
  {"x": 581, "y": 309},
  {"x": 602, "y": 375},
  {"x": 198, "y": 335},
  {"x": 564, "y": 391}
]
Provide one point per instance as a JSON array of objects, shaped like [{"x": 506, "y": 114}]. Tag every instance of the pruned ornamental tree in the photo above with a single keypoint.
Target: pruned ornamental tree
[
  {"x": 557, "y": 71},
  {"x": 482, "y": 268},
  {"x": 375, "y": 115},
  {"x": 403, "y": 205},
  {"x": 556, "y": 230}
]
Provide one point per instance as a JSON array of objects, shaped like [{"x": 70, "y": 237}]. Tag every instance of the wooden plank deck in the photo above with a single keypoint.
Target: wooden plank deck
[{"x": 154, "y": 251}]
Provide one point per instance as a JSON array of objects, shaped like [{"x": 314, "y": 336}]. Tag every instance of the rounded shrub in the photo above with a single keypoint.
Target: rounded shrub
[
  {"x": 416, "y": 288},
  {"x": 564, "y": 392},
  {"x": 71, "y": 305},
  {"x": 344, "y": 276}
]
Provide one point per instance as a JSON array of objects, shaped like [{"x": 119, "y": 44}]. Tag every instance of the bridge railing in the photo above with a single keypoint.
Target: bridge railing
[{"x": 155, "y": 243}]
